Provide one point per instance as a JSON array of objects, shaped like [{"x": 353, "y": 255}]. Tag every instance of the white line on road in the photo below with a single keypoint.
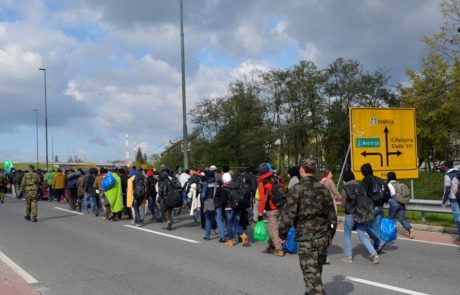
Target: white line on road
[
  {"x": 70, "y": 211},
  {"x": 19, "y": 270},
  {"x": 416, "y": 241},
  {"x": 384, "y": 286},
  {"x": 163, "y": 234}
]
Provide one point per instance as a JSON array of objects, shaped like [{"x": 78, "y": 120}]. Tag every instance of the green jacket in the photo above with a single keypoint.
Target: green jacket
[
  {"x": 49, "y": 177},
  {"x": 115, "y": 195},
  {"x": 310, "y": 208}
]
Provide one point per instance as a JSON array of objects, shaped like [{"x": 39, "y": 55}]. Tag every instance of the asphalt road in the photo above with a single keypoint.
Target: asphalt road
[{"x": 81, "y": 254}]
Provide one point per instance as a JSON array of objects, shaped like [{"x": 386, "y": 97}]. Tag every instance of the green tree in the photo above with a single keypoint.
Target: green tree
[{"x": 139, "y": 156}]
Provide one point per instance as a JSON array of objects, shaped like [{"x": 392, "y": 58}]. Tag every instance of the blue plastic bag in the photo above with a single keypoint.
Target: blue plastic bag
[
  {"x": 291, "y": 244},
  {"x": 108, "y": 182},
  {"x": 388, "y": 229}
]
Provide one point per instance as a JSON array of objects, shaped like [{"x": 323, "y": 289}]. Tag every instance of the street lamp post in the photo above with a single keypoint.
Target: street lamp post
[
  {"x": 184, "y": 108},
  {"x": 36, "y": 129},
  {"x": 46, "y": 118}
]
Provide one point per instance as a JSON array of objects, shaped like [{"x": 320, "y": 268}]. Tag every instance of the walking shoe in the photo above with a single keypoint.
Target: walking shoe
[
  {"x": 346, "y": 260},
  {"x": 206, "y": 238},
  {"x": 138, "y": 224},
  {"x": 169, "y": 227},
  {"x": 270, "y": 250},
  {"x": 375, "y": 259},
  {"x": 34, "y": 219},
  {"x": 380, "y": 248},
  {"x": 27, "y": 218},
  {"x": 244, "y": 240},
  {"x": 279, "y": 253},
  {"x": 229, "y": 243},
  {"x": 411, "y": 233},
  {"x": 222, "y": 240}
]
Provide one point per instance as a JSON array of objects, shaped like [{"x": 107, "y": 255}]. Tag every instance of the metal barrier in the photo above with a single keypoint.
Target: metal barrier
[{"x": 424, "y": 206}]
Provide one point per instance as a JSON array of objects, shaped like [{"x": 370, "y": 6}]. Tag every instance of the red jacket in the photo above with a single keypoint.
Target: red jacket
[{"x": 264, "y": 190}]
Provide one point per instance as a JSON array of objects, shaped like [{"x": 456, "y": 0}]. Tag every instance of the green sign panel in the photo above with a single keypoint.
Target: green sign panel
[{"x": 368, "y": 142}]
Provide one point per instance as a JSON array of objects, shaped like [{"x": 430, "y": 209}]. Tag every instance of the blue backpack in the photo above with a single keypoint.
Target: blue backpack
[{"x": 108, "y": 182}]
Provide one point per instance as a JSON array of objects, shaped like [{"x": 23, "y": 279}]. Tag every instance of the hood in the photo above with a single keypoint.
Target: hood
[
  {"x": 264, "y": 176},
  {"x": 366, "y": 169}
]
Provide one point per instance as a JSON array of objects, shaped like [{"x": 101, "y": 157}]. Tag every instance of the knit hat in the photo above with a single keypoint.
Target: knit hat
[{"x": 263, "y": 168}]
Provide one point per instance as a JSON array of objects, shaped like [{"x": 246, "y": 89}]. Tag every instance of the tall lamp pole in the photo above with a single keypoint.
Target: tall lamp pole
[
  {"x": 46, "y": 118},
  {"x": 36, "y": 129},
  {"x": 184, "y": 108}
]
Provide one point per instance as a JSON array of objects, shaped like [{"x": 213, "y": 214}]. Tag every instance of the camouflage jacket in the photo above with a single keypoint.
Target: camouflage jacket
[
  {"x": 310, "y": 208},
  {"x": 30, "y": 182}
]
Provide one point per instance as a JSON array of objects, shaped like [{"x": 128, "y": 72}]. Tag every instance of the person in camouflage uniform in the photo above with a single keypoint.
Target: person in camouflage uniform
[
  {"x": 3, "y": 186},
  {"x": 310, "y": 208},
  {"x": 30, "y": 186}
]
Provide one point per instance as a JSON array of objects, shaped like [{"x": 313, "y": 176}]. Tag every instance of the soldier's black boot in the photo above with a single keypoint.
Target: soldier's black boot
[
  {"x": 27, "y": 217},
  {"x": 34, "y": 219}
]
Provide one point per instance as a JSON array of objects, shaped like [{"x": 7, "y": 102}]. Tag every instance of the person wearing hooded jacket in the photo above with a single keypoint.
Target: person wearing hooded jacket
[
  {"x": 213, "y": 190},
  {"x": 266, "y": 204},
  {"x": 451, "y": 182}
]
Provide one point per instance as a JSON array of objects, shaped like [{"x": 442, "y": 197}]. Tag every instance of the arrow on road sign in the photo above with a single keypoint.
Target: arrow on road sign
[
  {"x": 365, "y": 154},
  {"x": 397, "y": 153}
]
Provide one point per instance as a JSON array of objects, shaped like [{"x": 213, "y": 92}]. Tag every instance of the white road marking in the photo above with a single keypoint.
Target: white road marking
[
  {"x": 163, "y": 234},
  {"x": 19, "y": 270},
  {"x": 70, "y": 211},
  {"x": 414, "y": 240},
  {"x": 384, "y": 286}
]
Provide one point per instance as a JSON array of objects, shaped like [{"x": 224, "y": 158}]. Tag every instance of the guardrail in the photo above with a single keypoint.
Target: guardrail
[{"x": 424, "y": 206}]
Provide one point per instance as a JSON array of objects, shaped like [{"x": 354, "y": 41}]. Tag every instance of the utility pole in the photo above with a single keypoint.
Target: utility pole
[
  {"x": 184, "y": 106},
  {"x": 36, "y": 130},
  {"x": 46, "y": 118}
]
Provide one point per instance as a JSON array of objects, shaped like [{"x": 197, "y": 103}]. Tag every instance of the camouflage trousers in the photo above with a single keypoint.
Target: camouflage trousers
[
  {"x": 31, "y": 203},
  {"x": 312, "y": 257}
]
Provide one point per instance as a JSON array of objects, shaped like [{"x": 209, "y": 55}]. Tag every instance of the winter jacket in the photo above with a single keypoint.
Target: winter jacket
[
  {"x": 59, "y": 181},
  {"x": 265, "y": 190}
]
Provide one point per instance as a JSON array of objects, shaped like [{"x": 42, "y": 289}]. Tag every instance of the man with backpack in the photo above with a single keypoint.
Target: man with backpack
[
  {"x": 139, "y": 190},
  {"x": 400, "y": 196},
  {"x": 452, "y": 193},
  {"x": 169, "y": 194},
  {"x": 359, "y": 212},
  {"x": 376, "y": 189},
  {"x": 270, "y": 194}
]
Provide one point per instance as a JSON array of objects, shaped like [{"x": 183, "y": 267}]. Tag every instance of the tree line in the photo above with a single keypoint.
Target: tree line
[{"x": 285, "y": 114}]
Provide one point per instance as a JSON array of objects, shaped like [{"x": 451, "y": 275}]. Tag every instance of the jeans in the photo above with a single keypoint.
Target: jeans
[
  {"x": 137, "y": 212},
  {"x": 233, "y": 223},
  {"x": 454, "y": 206},
  {"x": 374, "y": 226},
  {"x": 361, "y": 229},
  {"x": 400, "y": 210},
  {"x": 152, "y": 205},
  {"x": 220, "y": 225},
  {"x": 185, "y": 199}
]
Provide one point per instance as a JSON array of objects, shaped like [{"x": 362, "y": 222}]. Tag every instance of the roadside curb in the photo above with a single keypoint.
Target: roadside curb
[{"x": 422, "y": 227}]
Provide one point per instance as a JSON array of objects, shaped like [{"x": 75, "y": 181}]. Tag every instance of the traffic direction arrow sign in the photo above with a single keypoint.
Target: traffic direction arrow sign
[{"x": 385, "y": 138}]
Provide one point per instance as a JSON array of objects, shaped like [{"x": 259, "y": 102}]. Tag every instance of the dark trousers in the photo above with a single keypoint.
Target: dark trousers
[{"x": 72, "y": 198}]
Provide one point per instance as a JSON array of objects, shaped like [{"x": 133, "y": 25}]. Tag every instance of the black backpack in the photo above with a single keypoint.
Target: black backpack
[
  {"x": 358, "y": 204},
  {"x": 172, "y": 194},
  {"x": 139, "y": 187},
  {"x": 457, "y": 192},
  {"x": 151, "y": 186},
  {"x": 380, "y": 192},
  {"x": 278, "y": 192},
  {"x": 238, "y": 198}
]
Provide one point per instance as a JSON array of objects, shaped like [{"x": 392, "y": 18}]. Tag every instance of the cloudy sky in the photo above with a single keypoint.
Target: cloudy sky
[{"x": 113, "y": 66}]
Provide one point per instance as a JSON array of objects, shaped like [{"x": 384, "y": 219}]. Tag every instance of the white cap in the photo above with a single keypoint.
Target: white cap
[{"x": 213, "y": 168}]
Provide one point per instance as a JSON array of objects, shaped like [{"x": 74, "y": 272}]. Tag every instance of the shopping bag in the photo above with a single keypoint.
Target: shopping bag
[
  {"x": 388, "y": 229},
  {"x": 291, "y": 244},
  {"x": 260, "y": 232}
]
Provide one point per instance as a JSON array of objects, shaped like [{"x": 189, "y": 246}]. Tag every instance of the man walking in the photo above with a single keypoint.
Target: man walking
[
  {"x": 30, "y": 184},
  {"x": 3, "y": 184},
  {"x": 310, "y": 207}
]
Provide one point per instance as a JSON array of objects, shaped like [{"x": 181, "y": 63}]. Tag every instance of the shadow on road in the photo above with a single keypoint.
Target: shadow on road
[
  {"x": 55, "y": 217},
  {"x": 339, "y": 286}
]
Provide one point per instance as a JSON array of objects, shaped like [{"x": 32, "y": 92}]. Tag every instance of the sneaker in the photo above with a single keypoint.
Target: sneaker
[
  {"x": 138, "y": 224},
  {"x": 380, "y": 248},
  {"x": 244, "y": 240},
  {"x": 411, "y": 233},
  {"x": 375, "y": 259},
  {"x": 270, "y": 250},
  {"x": 206, "y": 238},
  {"x": 279, "y": 253},
  {"x": 229, "y": 243},
  {"x": 27, "y": 218},
  {"x": 34, "y": 219},
  {"x": 222, "y": 240},
  {"x": 346, "y": 260}
]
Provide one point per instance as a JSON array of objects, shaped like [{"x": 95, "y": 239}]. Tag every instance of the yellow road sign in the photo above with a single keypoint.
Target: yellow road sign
[{"x": 386, "y": 138}]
